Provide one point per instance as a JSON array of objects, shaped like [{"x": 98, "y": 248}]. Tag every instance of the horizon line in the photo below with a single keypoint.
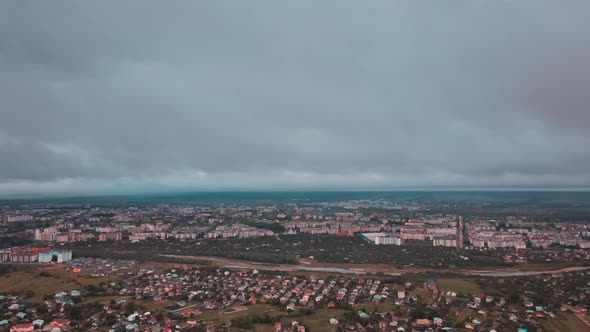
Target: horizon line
[{"x": 286, "y": 190}]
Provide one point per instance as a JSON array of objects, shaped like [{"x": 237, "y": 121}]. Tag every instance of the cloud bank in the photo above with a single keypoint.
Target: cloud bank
[{"x": 110, "y": 96}]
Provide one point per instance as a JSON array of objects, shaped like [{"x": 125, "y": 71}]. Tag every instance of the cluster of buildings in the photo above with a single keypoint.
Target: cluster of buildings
[
  {"x": 34, "y": 255},
  {"x": 193, "y": 223},
  {"x": 381, "y": 238},
  {"x": 11, "y": 218},
  {"x": 332, "y": 227},
  {"x": 18, "y": 316},
  {"x": 237, "y": 230},
  {"x": 53, "y": 234},
  {"x": 185, "y": 223},
  {"x": 193, "y": 291},
  {"x": 521, "y": 235},
  {"x": 385, "y": 225},
  {"x": 143, "y": 232},
  {"x": 443, "y": 232},
  {"x": 220, "y": 289}
]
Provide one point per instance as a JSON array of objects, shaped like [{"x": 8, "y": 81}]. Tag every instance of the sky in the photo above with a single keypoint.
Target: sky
[{"x": 133, "y": 96}]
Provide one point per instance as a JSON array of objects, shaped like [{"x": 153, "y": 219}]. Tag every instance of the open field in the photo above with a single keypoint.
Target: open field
[
  {"x": 258, "y": 309},
  {"x": 52, "y": 278},
  {"x": 385, "y": 306},
  {"x": 154, "y": 306},
  {"x": 565, "y": 322},
  {"x": 318, "y": 321},
  {"x": 458, "y": 285},
  {"x": 31, "y": 278},
  {"x": 18, "y": 282}
]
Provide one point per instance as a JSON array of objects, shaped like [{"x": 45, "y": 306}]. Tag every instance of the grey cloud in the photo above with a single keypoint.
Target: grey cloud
[{"x": 146, "y": 95}]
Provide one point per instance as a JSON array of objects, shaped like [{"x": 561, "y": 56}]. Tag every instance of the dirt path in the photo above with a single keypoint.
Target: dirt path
[{"x": 581, "y": 317}]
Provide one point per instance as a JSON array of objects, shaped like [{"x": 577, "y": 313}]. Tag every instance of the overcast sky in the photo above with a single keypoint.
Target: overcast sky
[{"x": 118, "y": 96}]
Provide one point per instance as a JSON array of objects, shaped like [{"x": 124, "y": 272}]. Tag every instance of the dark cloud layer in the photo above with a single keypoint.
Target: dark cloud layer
[{"x": 146, "y": 95}]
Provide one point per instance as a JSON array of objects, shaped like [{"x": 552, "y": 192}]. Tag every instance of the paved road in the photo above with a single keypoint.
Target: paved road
[{"x": 362, "y": 269}]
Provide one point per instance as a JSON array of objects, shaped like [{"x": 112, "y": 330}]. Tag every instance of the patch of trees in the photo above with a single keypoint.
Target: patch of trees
[
  {"x": 246, "y": 322},
  {"x": 6, "y": 269},
  {"x": 13, "y": 241},
  {"x": 258, "y": 257}
]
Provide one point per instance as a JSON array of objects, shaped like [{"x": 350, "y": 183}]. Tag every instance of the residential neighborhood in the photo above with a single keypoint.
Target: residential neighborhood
[{"x": 187, "y": 298}]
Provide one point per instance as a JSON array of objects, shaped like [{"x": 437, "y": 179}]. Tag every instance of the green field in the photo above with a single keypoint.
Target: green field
[
  {"x": 458, "y": 285},
  {"x": 156, "y": 305},
  {"x": 385, "y": 306}
]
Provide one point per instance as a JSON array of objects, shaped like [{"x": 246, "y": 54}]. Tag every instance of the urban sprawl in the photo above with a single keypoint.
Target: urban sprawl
[{"x": 357, "y": 265}]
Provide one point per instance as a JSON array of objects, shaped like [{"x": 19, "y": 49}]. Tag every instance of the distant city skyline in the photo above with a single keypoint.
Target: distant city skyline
[{"x": 148, "y": 96}]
